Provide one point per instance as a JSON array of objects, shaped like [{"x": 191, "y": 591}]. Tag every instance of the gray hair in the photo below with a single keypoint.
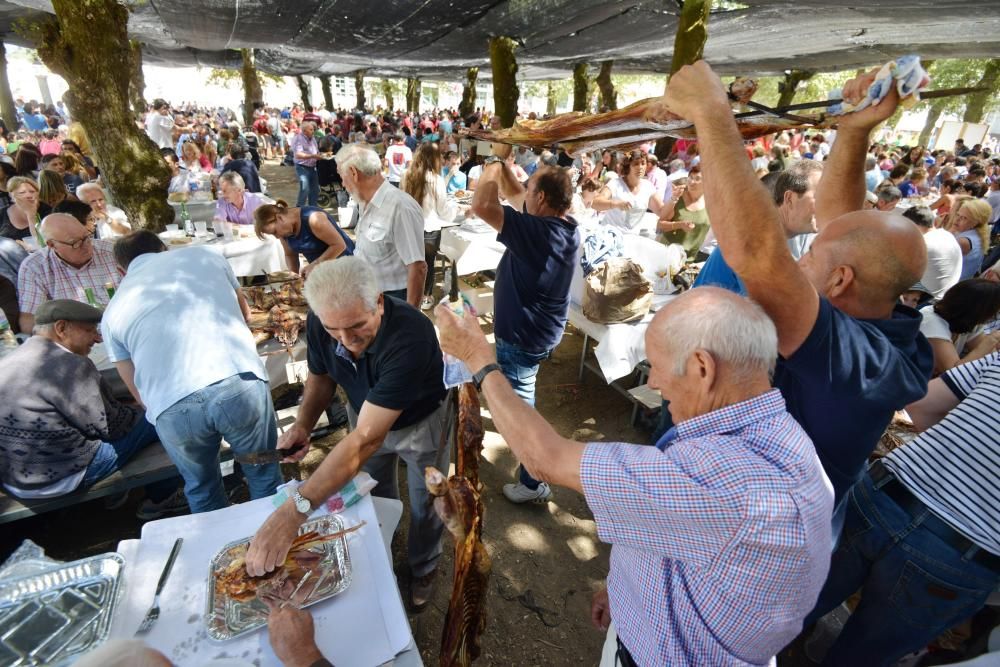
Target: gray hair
[
  {"x": 84, "y": 188},
  {"x": 308, "y": 123},
  {"x": 889, "y": 193},
  {"x": 359, "y": 156},
  {"x": 230, "y": 177},
  {"x": 733, "y": 329},
  {"x": 342, "y": 282}
]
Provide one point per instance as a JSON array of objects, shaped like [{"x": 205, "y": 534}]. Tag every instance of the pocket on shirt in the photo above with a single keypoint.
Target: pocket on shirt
[{"x": 377, "y": 231}]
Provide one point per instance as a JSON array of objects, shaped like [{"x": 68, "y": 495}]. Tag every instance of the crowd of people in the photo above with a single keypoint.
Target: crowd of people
[{"x": 844, "y": 280}]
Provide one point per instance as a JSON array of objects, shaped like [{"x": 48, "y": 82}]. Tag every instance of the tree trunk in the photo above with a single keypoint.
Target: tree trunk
[
  {"x": 689, "y": 46},
  {"x": 359, "y": 89},
  {"x": 505, "y": 91},
  {"x": 550, "y": 100},
  {"x": 580, "y": 84},
  {"x": 137, "y": 80},
  {"x": 130, "y": 162},
  {"x": 303, "y": 91},
  {"x": 7, "y": 110},
  {"x": 390, "y": 102},
  {"x": 609, "y": 96},
  {"x": 935, "y": 111},
  {"x": 253, "y": 94},
  {"x": 975, "y": 110},
  {"x": 468, "y": 104},
  {"x": 324, "y": 83},
  {"x": 789, "y": 86},
  {"x": 413, "y": 93}
]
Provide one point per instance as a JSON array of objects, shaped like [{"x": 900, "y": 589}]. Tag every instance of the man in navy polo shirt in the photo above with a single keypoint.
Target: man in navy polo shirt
[
  {"x": 850, "y": 353},
  {"x": 532, "y": 288},
  {"x": 385, "y": 355}
]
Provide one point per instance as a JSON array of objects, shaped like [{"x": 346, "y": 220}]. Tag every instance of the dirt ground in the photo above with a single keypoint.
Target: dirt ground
[{"x": 547, "y": 561}]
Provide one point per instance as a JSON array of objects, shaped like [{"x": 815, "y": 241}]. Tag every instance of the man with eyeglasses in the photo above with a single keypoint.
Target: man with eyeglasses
[{"x": 72, "y": 265}]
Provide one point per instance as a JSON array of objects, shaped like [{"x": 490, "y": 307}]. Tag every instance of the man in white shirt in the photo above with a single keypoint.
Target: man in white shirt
[
  {"x": 390, "y": 231},
  {"x": 397, "y": 158},
  {"x": 944, "y": 255},
  {"x": 160, "y": 124},
  {"x": 111, "y": 220}
]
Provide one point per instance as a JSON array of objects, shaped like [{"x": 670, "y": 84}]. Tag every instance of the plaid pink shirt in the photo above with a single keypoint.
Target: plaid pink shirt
[
  {"x": 720, "y": 540},
  {"x": 44, "y": 276}
]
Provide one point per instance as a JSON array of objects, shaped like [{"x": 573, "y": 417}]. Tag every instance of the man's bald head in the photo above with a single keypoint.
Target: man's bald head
[{"x": 59, "y": 225}]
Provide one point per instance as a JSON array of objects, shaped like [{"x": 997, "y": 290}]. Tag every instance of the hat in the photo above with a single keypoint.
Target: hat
[
  {"x": 66, "y": 309},
  {"x": 678, "y": 175}
]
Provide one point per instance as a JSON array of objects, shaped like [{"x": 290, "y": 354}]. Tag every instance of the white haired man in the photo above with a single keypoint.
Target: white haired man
[
  {"x": 235, "y": 204},
  {"x": 720, "y": 533},
  {"x": 385, "y": 355},
  {"x": 111, "y": 220},
  {"x": 390, "y": 230}
]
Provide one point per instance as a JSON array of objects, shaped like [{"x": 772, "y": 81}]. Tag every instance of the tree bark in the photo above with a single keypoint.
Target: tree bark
[
  {"x": 137, "y": 80},
  {"x": 7, "y": 108},
  {"x": 580, "y": 85},
  {"x": 975, "y": 110},
  {"x": 550, "y": 100},
  {"x": 609, "y": 96},
  {"x": 324, "y": 83},
  {"x": 505, "y": 91},
  {"x": 390, "y": 102},
  {"x": 303, "y": 91},
  {"x": 130, "y": 162},
  {"x": 359, "y": 88},
  {"x": 253, "y": 94},
  {"x": 935, "y": 111},
  {"x": 789, "y": 86},
  {"x": 689, "y": 46},
  {"x": 468, "y": 104},
  {"x": 413, "y": 93}
]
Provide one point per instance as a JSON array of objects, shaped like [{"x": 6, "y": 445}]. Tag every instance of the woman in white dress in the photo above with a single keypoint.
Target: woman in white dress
[{"x": 625, "y": 200}]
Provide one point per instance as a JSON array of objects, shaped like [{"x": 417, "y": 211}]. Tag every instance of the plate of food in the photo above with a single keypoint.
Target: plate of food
[
  {"x": 463, "y": 195},
  {"x": 318, "y": 567},
  {"x": 180, "y": 240}
]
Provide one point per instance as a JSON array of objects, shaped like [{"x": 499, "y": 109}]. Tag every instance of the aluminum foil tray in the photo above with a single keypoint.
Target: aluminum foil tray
[
  {"x": 227, "y": 618},
  {"x": 50, "y": 616}
]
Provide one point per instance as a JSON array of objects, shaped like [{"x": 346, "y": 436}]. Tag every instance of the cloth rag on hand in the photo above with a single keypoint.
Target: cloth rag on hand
[{"x": 905, "y": 73}]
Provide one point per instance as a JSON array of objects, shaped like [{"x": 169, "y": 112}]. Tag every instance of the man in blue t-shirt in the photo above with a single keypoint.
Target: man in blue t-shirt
[
  {"x": 850, "y": 354},
  {"x": 533, "y": 279}
]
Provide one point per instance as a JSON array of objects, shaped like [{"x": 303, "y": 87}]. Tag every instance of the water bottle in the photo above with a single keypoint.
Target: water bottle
[{"x": 186, "y": 221}]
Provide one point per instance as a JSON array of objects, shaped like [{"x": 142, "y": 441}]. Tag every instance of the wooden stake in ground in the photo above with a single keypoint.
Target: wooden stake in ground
[
  {"x": 505, "y": 91},
  {"x": 86, "y": 43},
  {"x": 468, "y": 104}
]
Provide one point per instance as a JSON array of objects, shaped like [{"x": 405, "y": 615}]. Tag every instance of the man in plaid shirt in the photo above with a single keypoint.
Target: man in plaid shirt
[
  {"x": 721, "y": 533},
  {"x": 70, "y": 263}
]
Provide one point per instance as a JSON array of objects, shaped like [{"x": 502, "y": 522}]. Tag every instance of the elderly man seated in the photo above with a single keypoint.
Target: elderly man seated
[
  {"x": 72, "y": 265},
  {"x": 720, "y": 533},
  {"x": 60, "y": 427},
  {"x": 111, "y": 220},
  {"x": 235, "y": 204}
]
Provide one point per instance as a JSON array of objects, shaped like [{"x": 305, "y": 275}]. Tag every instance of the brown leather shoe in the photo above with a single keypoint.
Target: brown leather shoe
[{"x": 421, "y": 590}]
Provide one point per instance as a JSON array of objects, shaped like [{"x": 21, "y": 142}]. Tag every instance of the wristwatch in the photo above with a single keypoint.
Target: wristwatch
[
  {"x": 491, "y": 159},
  {"x": 302, "y": 504},
  {"x": 478, "y": 378}
]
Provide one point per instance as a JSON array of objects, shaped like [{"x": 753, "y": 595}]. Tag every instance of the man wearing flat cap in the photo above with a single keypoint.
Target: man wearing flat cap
[{"x": 60, "y": 427}]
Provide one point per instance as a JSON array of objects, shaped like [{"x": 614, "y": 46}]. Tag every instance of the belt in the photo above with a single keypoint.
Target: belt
[{"x": 913, "y": 506}]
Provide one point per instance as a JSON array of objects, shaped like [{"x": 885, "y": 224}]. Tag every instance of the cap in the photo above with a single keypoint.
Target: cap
[
  {"x": 678, "y": 175},
  {"x": 66, "y": 309}
]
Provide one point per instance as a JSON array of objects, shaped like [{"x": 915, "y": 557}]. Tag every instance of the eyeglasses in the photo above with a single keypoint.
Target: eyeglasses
[{"x": 77, "y": 244}]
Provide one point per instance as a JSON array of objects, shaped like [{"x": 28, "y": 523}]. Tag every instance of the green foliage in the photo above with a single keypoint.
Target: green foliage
[{"x": 231, "y": 78}]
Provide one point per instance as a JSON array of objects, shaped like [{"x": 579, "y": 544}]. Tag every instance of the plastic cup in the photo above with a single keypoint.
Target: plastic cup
[
  {"x": 226, "y": 229},
  {"x": 201, "y": 228}
]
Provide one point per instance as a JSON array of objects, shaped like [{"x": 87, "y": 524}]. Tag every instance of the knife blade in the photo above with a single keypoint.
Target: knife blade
[{"x": 263, "y": 458}]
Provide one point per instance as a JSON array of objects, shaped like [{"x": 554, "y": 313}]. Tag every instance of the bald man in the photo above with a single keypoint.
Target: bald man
[
  {"x": 850, "y": 353},
  {"x": 72, "y": 265}
]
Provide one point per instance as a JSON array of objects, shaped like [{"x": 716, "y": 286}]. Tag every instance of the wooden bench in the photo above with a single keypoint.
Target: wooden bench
[{"x": 150, "y": 465}]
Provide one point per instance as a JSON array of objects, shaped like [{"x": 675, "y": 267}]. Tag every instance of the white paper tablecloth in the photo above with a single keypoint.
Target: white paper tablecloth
[
  {"x": 472, "y": 246},
  {"x": 364, "y": 625},
  {"x": 248, "y": 256}
]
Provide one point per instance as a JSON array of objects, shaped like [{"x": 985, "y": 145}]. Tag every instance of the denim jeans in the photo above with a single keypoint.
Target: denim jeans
[
  {"x": 112, "y": 457},
  {"x": 308, "y": 185},
  {"x": 419, "y": 446},
  {"x": 238, "y": 409},
  {"x": 520, "y": 367},
  {"x": 914, "y": 586}
]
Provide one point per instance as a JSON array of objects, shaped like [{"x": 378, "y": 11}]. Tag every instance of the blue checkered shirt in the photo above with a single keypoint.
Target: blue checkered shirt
[{"x": 720, "y": 535}]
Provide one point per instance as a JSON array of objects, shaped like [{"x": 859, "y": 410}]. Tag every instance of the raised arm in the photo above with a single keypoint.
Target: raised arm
[
  {"x": 486, "y": 198},
  {"x": 743, "y": 217}
]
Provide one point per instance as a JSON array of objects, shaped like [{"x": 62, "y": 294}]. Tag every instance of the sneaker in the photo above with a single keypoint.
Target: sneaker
[
  {"x": 421, "y": 590},
  {"x": 427, "y": 303},
  {"x": 519, "y": 493},
  {"x": 115, "y": 501},
  {"x": 176, "y": 503}
]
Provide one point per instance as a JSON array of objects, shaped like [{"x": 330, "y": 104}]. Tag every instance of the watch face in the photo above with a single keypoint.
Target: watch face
[{"x": 302, "y": 505}]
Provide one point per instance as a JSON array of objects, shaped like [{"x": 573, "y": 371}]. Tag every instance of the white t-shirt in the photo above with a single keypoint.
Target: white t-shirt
[
  {"x": 476, "y": 172},
  {"x": 160, "y": 129},
  {"x": 398, "y": 157},
  {"x": 944, "y": 262},
  {"x": 627, "y": 220},
  {"x": 934, "y": 326}
]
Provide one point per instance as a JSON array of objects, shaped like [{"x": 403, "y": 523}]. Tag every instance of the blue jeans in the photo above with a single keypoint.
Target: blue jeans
[
  {"x": 520, "y": 367},
  {"x": 112, "y": 457},
  {"x": 308, "y": 185},
  {"x": 238, "y": 409},
  {"x": 914, "y": 586}
]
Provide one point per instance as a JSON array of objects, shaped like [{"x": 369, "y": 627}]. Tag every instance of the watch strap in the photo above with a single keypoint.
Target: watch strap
[{"x": 481, "y": 374}]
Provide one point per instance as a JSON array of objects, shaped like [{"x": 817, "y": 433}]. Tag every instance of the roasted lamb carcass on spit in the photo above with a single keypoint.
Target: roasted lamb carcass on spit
[{"x": 458, "y": 503}]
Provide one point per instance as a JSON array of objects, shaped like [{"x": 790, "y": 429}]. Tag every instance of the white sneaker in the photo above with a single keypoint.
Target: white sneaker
[
  {"x": 519, "y": 493},
  {"x": 426, "y": 303}
]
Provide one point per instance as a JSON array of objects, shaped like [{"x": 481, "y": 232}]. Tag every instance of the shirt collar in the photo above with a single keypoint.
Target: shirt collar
[
  {"x": 379, "y": 197},
  {"x": 729, "y": 419}
]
